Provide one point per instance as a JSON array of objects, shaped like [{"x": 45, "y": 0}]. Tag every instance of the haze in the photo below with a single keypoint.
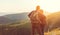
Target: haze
[{"x": 19, "y": 6}]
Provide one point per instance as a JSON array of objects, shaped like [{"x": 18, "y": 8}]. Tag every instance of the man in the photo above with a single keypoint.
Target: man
[{"x": 38, "y": 20}]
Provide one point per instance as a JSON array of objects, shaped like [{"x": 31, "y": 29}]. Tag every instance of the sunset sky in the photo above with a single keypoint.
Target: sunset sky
[{"x": 19, "y": 6}]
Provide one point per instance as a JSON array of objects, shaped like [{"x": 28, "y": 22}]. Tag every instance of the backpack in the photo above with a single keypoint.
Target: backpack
[
  {"x": 37, "y": 17},
  {"x": 34, "y": 16}
]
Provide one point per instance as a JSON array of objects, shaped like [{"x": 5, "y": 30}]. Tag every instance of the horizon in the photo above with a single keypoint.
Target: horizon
[
  {"x": 46, "y": 14},
  {"x": 20, "y": 6}
]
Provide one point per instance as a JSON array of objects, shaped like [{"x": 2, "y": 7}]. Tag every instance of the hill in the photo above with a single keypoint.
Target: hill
[
  {"x": 18, "y": 16},
  {"x": 54, "y": 20},
  {"x": 24, "y": 27},
  {"x": 4, "y": 20},
  {"x": 12, "y": 18}
]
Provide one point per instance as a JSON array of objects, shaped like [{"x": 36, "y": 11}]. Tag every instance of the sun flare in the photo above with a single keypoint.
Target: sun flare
[{"x": 50, "y": 6}]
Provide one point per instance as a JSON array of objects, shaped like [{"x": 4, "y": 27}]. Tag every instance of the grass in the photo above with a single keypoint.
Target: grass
[{"x": 22, "y": 28}]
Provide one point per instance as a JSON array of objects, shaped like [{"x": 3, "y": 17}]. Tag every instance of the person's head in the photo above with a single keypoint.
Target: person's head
[{"x": 38, "y": 8}]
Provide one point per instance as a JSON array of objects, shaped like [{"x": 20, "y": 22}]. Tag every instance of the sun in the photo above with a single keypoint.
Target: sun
[{"x": 49, "y": 6}]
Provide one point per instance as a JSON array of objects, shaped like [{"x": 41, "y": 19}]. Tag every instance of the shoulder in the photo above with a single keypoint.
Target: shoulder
[
  {"x": 34, "y": 11},
  {"x": 41, "y": 10},
  {"x": 31, "y": 12}
]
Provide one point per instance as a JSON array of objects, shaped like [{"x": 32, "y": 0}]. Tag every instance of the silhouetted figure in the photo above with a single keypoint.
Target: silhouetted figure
[{"x": 38, "y": 20}]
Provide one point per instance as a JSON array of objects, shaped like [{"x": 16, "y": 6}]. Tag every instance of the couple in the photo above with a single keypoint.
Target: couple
[{"x": 38, "y": 21}]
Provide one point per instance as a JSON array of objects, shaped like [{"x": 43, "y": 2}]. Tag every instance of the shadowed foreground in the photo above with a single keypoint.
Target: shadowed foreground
[{"x": 21, "y": 29}]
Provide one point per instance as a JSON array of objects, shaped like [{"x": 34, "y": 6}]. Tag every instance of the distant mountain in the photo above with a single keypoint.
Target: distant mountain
[
  {"x": 4, "y": 20},
  {"x": 12, "y": 18},
  {"x": 17, "y": 17}
]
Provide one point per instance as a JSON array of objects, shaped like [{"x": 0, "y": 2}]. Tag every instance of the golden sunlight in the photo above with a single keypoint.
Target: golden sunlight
[{"x": 50, "y": 6}]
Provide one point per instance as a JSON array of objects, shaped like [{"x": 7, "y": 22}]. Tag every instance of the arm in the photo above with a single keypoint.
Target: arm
[{"x": 42, "y": 18}]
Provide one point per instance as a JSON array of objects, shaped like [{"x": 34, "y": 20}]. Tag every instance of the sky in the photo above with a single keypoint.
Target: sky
[{"x": 20, "y": 6}]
